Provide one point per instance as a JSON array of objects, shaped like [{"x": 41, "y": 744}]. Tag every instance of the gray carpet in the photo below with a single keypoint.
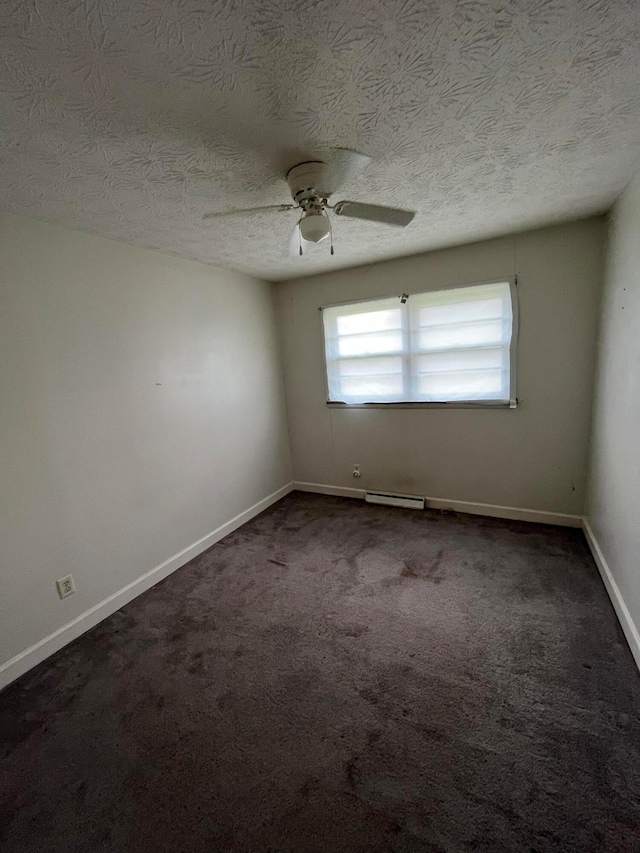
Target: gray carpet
[{"x": 338, "y": 677}]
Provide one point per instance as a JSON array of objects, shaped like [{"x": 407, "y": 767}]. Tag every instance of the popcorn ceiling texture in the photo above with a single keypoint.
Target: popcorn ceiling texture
[{"x": 132, "y": 119}]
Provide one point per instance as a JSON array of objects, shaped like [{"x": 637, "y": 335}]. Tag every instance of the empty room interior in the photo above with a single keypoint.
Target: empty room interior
[{"x": 320, "y": 426}]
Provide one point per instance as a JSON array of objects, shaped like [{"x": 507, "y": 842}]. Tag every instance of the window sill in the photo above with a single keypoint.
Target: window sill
[{"x": 470, "y": 404}]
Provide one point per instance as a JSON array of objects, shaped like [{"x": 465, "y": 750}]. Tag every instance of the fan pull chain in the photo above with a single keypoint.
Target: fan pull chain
[
  {"x": 300, "y": 238},
  {"x": 330, "y": 233}
]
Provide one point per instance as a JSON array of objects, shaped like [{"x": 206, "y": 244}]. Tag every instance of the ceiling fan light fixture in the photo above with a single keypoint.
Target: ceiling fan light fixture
[
  {"x": 315, "y": 226},
  {"x": 311, "y": 183}
]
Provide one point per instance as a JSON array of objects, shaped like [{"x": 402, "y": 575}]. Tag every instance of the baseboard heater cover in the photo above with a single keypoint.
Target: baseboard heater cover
[{"x": 389, "y": 499}]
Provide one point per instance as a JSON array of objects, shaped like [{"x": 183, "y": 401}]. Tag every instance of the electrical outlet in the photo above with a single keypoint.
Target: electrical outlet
[
  {"x": 66, "y": 586},
  {"x": 356, "y": 471}
]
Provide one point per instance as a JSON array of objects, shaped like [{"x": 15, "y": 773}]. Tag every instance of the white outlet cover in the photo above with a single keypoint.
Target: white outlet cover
[{"x": 66, "y": 586}]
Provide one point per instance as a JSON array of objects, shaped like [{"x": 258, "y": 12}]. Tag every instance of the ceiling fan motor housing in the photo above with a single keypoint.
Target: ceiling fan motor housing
[{"x": 306, "y": 184}]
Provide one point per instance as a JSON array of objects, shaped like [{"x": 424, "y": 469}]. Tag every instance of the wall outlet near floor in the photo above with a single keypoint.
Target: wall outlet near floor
[
  {"x": 356, "y": 471},
  {"x": 66, "y": 586}
]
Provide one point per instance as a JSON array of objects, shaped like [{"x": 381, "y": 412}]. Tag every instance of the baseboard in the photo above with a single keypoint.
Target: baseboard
[
  {"x": 41, "y": 650},
  {"x": 511, "y": 512},
  {"x": 622, "y": 612},
  {"x": 321, "y": 489}
]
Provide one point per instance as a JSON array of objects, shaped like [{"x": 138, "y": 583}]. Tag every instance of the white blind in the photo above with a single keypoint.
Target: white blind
[{"x": 444, "y": 346}]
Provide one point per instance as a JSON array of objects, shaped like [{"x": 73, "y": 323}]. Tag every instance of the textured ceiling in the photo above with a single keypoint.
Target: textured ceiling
[{"x": 132, "y": 118}]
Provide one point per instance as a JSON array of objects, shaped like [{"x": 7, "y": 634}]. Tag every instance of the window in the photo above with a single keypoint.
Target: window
[{"x": 441, "y": 347}]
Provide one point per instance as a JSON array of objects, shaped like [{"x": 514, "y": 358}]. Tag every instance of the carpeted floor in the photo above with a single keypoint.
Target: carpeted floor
[{"x": 336, "y": 677}]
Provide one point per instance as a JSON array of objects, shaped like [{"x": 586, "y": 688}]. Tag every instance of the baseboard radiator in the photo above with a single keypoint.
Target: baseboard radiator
[{"x": 389, "y": 499}]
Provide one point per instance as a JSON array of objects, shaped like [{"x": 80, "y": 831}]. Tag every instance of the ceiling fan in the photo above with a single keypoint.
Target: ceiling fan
[{"x": 311, "y": 184}]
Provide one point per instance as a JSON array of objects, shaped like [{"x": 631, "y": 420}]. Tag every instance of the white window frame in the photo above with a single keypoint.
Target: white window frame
[{"x": 511, "y": 403}]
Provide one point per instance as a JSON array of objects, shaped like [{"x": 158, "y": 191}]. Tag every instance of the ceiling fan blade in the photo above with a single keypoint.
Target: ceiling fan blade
[
  {"x": 248, "y": 211},
  {"x": 374, "y": 213}
]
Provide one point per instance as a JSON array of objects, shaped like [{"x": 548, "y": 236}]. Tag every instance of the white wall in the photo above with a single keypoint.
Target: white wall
[
  {"x": 533, "y": 457},
  {"x": 613, "y": 503},
  {"x": 141, "y": 407}
]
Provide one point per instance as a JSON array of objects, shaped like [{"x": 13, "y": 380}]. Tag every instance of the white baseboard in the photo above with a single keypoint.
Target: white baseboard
[
  {"x": 512, "y": 512},
  {"x": 321, "y": 489},
  {"x": 622, "y": 612},
  {"x": 41, "y": 650}
]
